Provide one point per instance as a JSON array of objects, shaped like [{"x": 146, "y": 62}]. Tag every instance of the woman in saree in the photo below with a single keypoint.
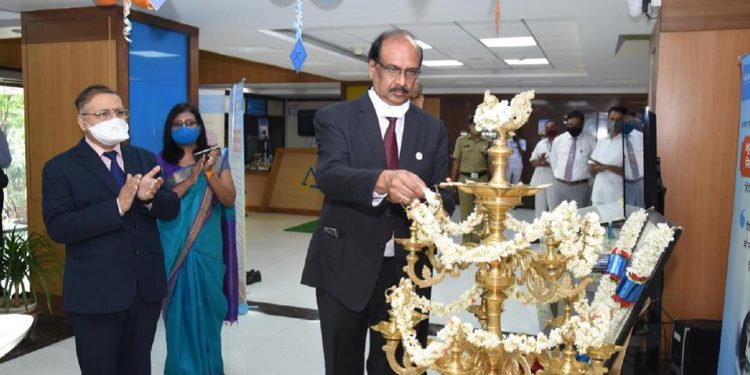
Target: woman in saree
[{"x": 196, "y": 304}]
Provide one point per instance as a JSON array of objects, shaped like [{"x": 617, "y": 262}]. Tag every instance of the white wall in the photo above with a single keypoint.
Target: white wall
[
  {"x": 292, "y": 139},
  {"x": 213, "y": 104}
]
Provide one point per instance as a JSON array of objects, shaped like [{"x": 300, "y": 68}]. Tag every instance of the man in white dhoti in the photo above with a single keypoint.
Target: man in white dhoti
[
  {"x": 542, "y": 170},
  {"x": 606, "y": 161}
]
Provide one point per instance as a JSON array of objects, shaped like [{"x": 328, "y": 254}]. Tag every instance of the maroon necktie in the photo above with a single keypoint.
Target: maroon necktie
[{"x": 391, "y": 144}]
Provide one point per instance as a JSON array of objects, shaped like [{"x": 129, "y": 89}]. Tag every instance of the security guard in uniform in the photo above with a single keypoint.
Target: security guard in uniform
[{"x": 470, "y": 162}]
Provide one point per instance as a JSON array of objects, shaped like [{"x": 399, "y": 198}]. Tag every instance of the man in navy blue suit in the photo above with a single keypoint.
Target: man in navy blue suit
[
  {"x": 101, "y": 199},
  {"x": 375, "y": 153}
]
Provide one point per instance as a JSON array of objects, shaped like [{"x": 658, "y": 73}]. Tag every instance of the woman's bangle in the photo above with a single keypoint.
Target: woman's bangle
[{"x": 209, "y": 173}]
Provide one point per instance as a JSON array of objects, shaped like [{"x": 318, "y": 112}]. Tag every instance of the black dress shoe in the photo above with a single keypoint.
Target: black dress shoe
[{"x": 252, "y": 276}]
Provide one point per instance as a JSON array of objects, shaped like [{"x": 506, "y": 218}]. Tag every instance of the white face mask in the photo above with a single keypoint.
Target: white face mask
[{"x": 110, "y": 132}]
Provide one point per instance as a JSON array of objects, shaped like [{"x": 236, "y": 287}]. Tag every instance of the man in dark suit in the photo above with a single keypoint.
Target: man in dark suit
[
  {"x": 101, "y": 199},
  {"x": 375, "y": 153}
]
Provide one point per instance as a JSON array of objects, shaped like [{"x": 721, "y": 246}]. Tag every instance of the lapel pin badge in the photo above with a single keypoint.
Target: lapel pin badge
[{"x": 419, "y": 156}]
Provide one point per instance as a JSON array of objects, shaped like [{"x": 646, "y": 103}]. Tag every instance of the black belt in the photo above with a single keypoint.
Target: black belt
[
  {"x": 572, "y": 182},
  {"x": 474, "y": 174}
]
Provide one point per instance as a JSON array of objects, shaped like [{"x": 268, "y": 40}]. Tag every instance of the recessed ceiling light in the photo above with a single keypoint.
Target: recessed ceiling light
[
  {"x": 539, "y": 61},
  {"x": 439, "y": 63},
  {"x": 254, "y": 49},
  {"x": 153, "y": 54},
  {"x": 521, "y": 41},
  {"x": 578, "y": 104},
  {"x": 423, "y": 44}
]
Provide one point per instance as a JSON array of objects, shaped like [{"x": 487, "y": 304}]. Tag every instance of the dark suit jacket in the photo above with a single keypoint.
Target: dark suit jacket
[
  {"x": 108, "y": 257},
  {"x": 345, "y": 259}
]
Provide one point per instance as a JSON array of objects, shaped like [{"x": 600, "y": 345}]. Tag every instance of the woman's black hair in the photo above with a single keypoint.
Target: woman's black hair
[
  {"x": 744, "y": 362},
  {"x": 172, "y": 152}
]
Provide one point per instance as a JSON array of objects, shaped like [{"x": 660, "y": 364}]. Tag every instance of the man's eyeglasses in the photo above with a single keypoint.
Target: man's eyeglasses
[
  {"x": 395, "y": 71},
  {"x": 106, "y": 114},
  {"x": 185, "y": 124}
]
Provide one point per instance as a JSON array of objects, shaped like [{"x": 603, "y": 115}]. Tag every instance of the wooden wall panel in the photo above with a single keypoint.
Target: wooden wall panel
[
  {"x": 696, "y": 15},
  {"x": 697, "y": 106},
  {"x": 49, "y": 105},
  {"x": 219, "y": 69},
  {"x": 10, "y": 53},
  {"x": 432, "y": 105},
  {"x": 255, "y": 189},
  {"x": 292, "y": 187}
]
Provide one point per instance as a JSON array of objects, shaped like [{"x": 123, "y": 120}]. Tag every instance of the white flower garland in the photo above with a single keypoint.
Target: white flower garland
[
  {"x": 404, "y": 301},
  {"x": 491, "y": 114},
  {"x": 650, "y": 251},
  {"x": 598, "y": 321},
  {"x": 578, "y": 239},
  {"x": 494, "y": 115}
]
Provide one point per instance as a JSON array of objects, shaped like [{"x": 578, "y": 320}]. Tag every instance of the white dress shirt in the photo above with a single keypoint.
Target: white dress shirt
[
  {"x": 384, "y": 110},
  {"x": 542, "y": 175},
  {"x": 607, "y": 184},
  {"x": 558, "y": 158}
]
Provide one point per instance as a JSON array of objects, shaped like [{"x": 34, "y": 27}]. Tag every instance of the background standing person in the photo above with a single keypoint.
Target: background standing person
[
  {"x": 196, "y": 304},
  {"x": 416, "y": 96},
  {"x": 375, "y": 154},
  {"x": 515, "y": 161},
  {"x": 5, "y": 160},
  {"x": 569, "y": 161},
  {"x": 633, "y": 160},
  {"x": 101, "y": 199},
  {"x": 606, "y": 161},
  {"x": 542, "y": 170},
  {"x": 470, "y": 162}
]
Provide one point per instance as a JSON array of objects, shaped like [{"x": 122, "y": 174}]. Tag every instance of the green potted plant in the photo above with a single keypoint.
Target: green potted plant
[{"x": 25, "y": 259}]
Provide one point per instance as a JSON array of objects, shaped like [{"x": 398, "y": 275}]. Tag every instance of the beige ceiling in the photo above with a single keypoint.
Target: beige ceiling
[{"x": 578, "y": 37}]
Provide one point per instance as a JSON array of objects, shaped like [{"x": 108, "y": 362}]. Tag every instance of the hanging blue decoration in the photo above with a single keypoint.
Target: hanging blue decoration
[{"x": 298, "y": 55}]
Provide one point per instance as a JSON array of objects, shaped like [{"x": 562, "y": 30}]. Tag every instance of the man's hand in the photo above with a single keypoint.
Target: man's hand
[
  {"x": 597, "y": 167},
  {"x": 149, "y": 185},
  {"x": 541, "y": 161},
  {"x": 401, "y": 186},
  {"x": 128, "y": 192}
]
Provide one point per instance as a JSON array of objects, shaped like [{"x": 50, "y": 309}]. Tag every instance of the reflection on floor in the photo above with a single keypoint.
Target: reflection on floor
[{"x": 280, "y": 334}]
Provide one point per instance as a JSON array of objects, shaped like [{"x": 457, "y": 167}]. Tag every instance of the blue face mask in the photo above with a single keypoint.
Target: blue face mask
[{"x": 184, "y": 136}]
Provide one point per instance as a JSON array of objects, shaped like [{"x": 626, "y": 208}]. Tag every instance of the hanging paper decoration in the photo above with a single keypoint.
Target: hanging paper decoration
[
  {"x": 497, "y": 17},
  {"x": 144, "y": 4},
  {"x": 298, "y": 55},
  {"x": 126, "y": 21}
]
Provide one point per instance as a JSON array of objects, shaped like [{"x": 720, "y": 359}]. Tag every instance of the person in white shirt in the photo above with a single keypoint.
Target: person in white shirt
[
  {"x": 606, "y": 161},
  {"x": 569, "y": 161},
  {"x": 542, "y": 170},
  {"x": 515, "y": 161},
  {"x": 633, "y": 166}
]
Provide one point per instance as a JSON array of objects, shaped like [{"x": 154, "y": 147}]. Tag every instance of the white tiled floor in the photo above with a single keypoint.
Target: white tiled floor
[{"x": 262, "y": 344}]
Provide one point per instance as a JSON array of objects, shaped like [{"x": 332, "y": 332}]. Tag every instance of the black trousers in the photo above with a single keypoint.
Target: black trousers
[
  {"x": 116, "y": 343},
  {"x": 344, "y": 331}
]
